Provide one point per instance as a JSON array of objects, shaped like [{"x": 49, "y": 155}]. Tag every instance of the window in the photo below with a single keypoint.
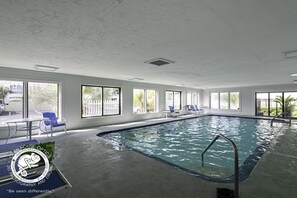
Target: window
[
  {"x": 262, "y": 104},
  {"x": 224, "y": 100},
  {"x": 169, "y": 99},
  {"x": 111, "y": 101},
  {"x": 27, "y": 99},
  {"x": 214, "y": 102},
  {"x": 138, "y": 101},
  {"x": 11, "y": 100},
  {"x": 176, "y": 100},
  {"x": 275, "y": 107},
  {"x": 151, "y": 101},
  {"x": 42, "y": 97},
  {"x": 276, "y": 103},
  {"x": 192, "y": 98},
  {"x": 195, "y": 98},
  {"x": 290, "y": 103},
  {"x": 234, "y": 100},
  {"x": 100, "y": 101},
  {"x": 144, "y": 101},
  {"x": 173, "y": 98},
  {"x": 189, "y": 98}
]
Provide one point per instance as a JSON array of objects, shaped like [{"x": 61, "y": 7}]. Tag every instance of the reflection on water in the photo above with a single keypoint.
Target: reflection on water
[{"x": 182, "y": 142}]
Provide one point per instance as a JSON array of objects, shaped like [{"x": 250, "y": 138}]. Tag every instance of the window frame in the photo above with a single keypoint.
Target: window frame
[
  {"x": 218, "y": 103},
  {"x": 58, "y": 96},
  {"x": 102, "y": 97},
  {"x": 229, "y": 102},
  {"x": 25, "y": 101},
  {"x": 269, "y": 92},
  {"x": 145, "y": 100},
  {"x": 180, "y": 99},
  {"x": 191, "y": 95}
]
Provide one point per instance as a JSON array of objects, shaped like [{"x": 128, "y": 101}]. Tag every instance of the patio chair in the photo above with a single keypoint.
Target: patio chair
[
  {"x": 188, "y": 109},
  {"x": 50, "y": 121},
  {"x": 173, "y": 113},
  {"x": 199, "y": 110}
]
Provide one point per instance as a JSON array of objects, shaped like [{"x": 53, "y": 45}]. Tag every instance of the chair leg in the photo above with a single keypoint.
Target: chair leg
[
  {"x": 65, "y": 128},
  {"x": 51, "y": 130}
]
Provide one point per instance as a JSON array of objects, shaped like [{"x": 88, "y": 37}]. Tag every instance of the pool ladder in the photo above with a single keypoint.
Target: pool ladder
[
  {"x": 236, "y": 184},
  {"x": 275, "y": 118}
]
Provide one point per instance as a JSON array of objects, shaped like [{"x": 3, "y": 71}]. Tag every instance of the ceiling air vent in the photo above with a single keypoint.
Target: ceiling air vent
[{"x": 159, "y": 62}]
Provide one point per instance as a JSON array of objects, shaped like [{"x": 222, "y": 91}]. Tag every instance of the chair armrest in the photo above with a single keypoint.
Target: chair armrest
[{"x": 46, "y": 120}]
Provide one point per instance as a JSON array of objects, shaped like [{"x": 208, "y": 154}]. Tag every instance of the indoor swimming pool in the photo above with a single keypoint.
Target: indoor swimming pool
[{"x": 180, "y": 144}]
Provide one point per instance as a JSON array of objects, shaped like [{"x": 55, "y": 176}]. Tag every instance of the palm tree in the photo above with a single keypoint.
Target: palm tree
[
  {"x": 150, "y": 103},
  {"x": 138, "y": 101},
  {"x": 47, "y": 96},
  {"x": 288, "y": 104}
]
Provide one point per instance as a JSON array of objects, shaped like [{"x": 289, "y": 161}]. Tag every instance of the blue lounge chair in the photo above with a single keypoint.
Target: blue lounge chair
[
  {"x": 193, "y": 109},
  {"x": 198, "y": 110},
  {"x": 173, "y": 113},
  {"x": 51, "y": 121},
  {"x": 189, "y": 109}
]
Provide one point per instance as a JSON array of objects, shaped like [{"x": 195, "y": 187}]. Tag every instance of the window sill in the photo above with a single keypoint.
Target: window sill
[
  {"x": 146, "y": 113},
  {"x": 96, "y": 117}
]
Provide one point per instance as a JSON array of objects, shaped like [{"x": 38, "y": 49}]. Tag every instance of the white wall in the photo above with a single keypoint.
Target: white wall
[
  {"x": 247, "y": 97},
  {"x": 71, "y": 96}
]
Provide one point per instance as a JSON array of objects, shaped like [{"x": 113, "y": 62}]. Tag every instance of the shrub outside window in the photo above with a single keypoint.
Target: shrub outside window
[
  {"x": 144, "y": 101},
  {"x": 138, "y": 101}
]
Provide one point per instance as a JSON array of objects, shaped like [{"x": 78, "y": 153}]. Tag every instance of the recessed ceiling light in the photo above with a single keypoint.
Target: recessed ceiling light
[
  {"x": 293, "y": 74},
  {"x": 290, "y": 54},
  {"x": 45, "y": 68},
  {"x": 295, "y": 81}
]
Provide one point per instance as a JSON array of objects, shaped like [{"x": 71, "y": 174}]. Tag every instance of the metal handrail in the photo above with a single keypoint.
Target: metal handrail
[
  {"x": 284, "y": 113},
  {"x": 236, "y": 184}
]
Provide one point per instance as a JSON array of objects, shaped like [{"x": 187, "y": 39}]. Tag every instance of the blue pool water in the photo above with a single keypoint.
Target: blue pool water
[{"x": 181, "y": 143}]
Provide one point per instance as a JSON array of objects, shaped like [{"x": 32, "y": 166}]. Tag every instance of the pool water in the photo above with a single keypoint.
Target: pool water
[{"x": 180, "y": 144}]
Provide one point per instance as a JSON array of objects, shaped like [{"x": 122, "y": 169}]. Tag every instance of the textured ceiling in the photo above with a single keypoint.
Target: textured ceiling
[{"x": 213, "y": 43}]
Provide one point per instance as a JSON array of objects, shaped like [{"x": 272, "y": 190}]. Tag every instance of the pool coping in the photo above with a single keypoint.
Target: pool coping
[{"x": 245, "y": 170}]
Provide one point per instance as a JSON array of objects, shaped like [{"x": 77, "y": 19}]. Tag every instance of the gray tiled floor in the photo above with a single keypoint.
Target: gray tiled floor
[{"x": 96, "y": 169}]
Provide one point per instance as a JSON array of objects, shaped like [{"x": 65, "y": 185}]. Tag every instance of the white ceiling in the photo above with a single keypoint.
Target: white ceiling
[{"x": 214, "y": 43}]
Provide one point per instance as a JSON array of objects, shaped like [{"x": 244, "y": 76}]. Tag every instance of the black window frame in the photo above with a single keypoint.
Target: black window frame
[
  {"x": 102, "y": 97},
  {"x": 283, "y": 99}
]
